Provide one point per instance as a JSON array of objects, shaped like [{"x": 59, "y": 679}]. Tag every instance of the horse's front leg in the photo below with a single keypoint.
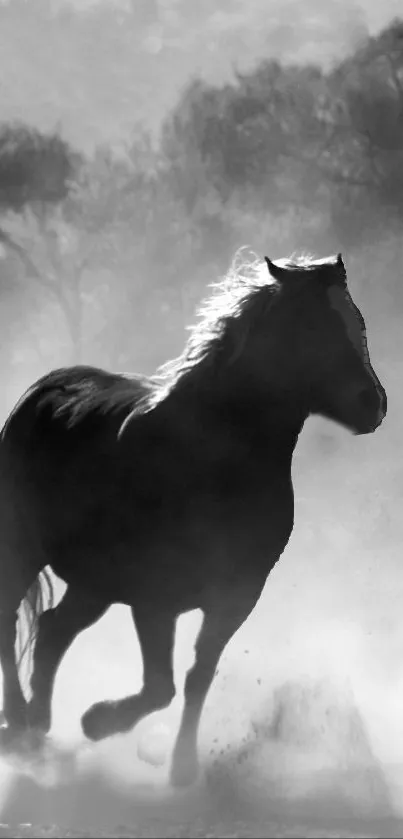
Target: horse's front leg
[
  {"x": 156, "y": 634},
  {"x": 217, "y": 629}
]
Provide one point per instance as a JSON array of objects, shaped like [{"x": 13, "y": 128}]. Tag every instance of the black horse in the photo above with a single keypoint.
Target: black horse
[{"x": 172, "y": 493}]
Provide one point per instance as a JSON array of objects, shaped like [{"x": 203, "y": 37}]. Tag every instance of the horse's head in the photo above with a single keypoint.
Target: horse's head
[{"x": 325, "y": 352}]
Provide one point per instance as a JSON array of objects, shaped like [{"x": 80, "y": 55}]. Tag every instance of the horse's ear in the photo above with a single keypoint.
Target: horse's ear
[
  {"x": 341, "y": 267},
  {"x": 340, "y": 263},
  {"x": 276, "y": 271}
]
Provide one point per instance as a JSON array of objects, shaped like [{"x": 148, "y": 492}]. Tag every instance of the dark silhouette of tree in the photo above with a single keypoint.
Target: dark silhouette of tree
[
  {"x": 296, "y": 135},
  {"x": 35, "y": 168},
  {"x": 36, "y": 174}
]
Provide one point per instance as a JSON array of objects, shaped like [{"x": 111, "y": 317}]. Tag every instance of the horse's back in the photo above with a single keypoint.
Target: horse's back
[
  {"x": 167, "y": 489},
  {"x": 57, "y": 446},
  {"x": 72, "y": 399}
]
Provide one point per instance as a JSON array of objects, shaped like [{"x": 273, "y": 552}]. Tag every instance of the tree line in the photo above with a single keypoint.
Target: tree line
[{"x": 104, "y": 257}]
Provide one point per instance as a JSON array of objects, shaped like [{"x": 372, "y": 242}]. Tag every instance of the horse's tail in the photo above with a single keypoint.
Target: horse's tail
[{"x": 39, "y": 596}]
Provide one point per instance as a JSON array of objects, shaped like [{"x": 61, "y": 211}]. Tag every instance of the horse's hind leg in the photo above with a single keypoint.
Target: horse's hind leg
[
  {"x": 14, "y": 705},
  {"x": 156, "y": 634},
  {"x": 58, "y": 628},
  {"x": 14, "y": 583}
]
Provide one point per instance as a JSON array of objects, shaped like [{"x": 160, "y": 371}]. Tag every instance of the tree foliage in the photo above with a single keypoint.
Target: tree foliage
[
  {"x": 299, "y": 135},
  {"x": 34, "y": 168}
]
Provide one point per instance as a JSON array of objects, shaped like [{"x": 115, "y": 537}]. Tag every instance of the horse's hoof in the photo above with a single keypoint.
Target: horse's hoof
[
  {"x": 99, "y": 721},
  {"x": 9, "y": 737},
  {"x": 34, "y": 740},
  {"x": 39, "y": 720},
  {"x": 20, "y": 741}
]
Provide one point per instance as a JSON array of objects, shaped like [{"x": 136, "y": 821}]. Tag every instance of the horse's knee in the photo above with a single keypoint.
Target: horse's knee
[
  {"x": 199, "y": 679},
  {"x": 161, "y": 692},
  {"x": 167, "y": 694}
]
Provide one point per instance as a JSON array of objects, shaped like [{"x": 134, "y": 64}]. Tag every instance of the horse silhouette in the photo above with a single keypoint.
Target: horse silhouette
[{"x": 173, "y": 492}]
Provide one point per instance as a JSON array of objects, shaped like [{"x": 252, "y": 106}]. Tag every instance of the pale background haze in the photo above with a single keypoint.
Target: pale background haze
[{"x": 332, "y": 608}]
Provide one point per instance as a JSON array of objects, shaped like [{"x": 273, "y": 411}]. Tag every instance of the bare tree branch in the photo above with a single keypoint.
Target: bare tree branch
[
  {"x": 29, "y": 265},
  {"x": 26, "y": 260}
]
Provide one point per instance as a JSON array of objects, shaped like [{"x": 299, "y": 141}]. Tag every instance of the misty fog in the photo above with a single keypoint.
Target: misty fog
[{"x": 187, "y": 131}]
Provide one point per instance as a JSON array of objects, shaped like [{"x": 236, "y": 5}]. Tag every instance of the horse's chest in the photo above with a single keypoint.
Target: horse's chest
[
  {"x": 238, "y": 530},
  {"x": 263, "y": 523}
]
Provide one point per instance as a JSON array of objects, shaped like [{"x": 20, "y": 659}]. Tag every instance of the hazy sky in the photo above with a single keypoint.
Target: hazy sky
[
  {"x": 96, "y": 80},
  {"x": 377, "y": 12}
]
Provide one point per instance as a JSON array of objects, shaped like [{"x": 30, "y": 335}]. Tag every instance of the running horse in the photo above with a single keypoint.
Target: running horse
[{"x": 174, "y": 492}]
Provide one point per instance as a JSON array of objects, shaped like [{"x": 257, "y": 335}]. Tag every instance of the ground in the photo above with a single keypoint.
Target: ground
[{"x": 203, "y": 828}]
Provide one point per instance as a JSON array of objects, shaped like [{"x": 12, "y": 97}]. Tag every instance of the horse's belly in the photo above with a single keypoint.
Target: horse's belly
[{"x": 127, "y": 550}]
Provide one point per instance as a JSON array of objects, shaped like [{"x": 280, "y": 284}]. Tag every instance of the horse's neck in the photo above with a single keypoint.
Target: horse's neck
[{"x": 264, "y": 422}]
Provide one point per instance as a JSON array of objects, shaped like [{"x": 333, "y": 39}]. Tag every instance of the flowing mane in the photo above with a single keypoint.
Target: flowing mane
[
  {"x": 82, "y": 393},
  {"x": 231, "y": 297}
]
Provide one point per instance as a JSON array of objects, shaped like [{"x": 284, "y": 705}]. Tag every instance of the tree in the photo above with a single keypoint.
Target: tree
[
  {"x": 36, "y": 172},
  {"x": 35, "y": 169},
  {"x": 328, "y": 142},
  {"x": 137, "y": 230},
  {"x": 363, "y": 155}
]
